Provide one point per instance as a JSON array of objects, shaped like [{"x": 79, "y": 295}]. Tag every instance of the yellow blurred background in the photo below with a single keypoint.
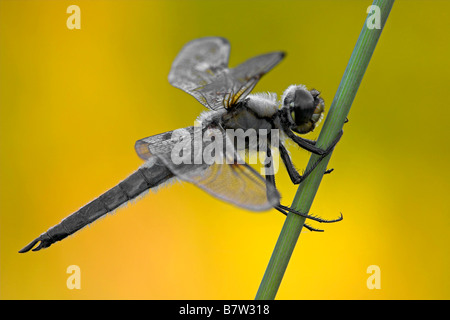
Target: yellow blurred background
[{"x": 73, "y": 102}]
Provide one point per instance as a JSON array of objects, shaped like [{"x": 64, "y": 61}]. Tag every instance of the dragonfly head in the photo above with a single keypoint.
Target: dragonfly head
[{"x": 304, "y": 108}]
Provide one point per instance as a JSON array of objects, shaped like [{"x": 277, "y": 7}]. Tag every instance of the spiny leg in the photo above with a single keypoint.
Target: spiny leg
[
  {"x": 313, "y": 142},
  {"x": 296, "y": 178},
  {"x": 315, "y": 218},
  {"x": 270, "y": 179},
  {"x": 268, "y": 169},
  {"x": 311, "y": 147},
  {"x": 305, "y": 225}
]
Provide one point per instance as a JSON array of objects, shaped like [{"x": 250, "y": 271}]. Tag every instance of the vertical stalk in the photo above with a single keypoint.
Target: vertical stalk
[{"x": 334, "y": 123}]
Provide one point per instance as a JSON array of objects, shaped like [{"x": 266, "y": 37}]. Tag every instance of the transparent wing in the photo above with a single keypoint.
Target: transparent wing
[
  {"x": 201, "y": 69},
  {"x": 161, "y": 143},
  {"x": 238, "y": 184},
  {"x": 233, "y": 85},
  {"x": 223, "y": 174},
  {"x": 198, "y": 63}
]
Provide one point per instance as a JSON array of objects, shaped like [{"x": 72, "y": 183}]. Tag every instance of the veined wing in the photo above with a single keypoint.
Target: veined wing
[
  {"x": 198, "y": 63},
  {"x": 233, "y": 85},
  {"x": 201, "y": 69},
  {"x": 161, "y": 143},
  {"x": 225, "y": 176}
]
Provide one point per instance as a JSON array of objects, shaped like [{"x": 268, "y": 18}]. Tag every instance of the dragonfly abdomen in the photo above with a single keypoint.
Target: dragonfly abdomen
[{"x": 144, "y": 178}]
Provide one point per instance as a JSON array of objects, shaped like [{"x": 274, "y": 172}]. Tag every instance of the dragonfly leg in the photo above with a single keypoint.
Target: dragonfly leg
[
  {"x": 311, "y": 147},
  {"x": 311, "y": 228},
  {"x": 270, "y": 179},
  {"x": 307, "y": 226},
  {"x": 296, "y": 178},
  {"x": 311, "y": 217}
]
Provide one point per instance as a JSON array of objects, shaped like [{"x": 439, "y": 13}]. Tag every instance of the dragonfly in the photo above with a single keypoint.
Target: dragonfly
[{"x": 201, "y": 70}]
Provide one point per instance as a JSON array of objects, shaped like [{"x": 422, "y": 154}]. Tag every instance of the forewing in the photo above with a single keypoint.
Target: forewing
[
  {"x": 198, "y": 64},
  {"x": 201, "y": 69},
  {"x": 247, "y": 74},
  {"x": 233, "y": 85}
]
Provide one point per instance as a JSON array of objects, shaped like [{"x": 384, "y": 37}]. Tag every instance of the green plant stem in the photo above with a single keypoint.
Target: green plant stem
[{"x": 334, "y": 123}]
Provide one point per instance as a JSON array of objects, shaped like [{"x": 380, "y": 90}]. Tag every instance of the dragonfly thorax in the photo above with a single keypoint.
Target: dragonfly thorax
[
  {"x": 264, "y": 104},
  {"x": 245, "y": 117}
]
